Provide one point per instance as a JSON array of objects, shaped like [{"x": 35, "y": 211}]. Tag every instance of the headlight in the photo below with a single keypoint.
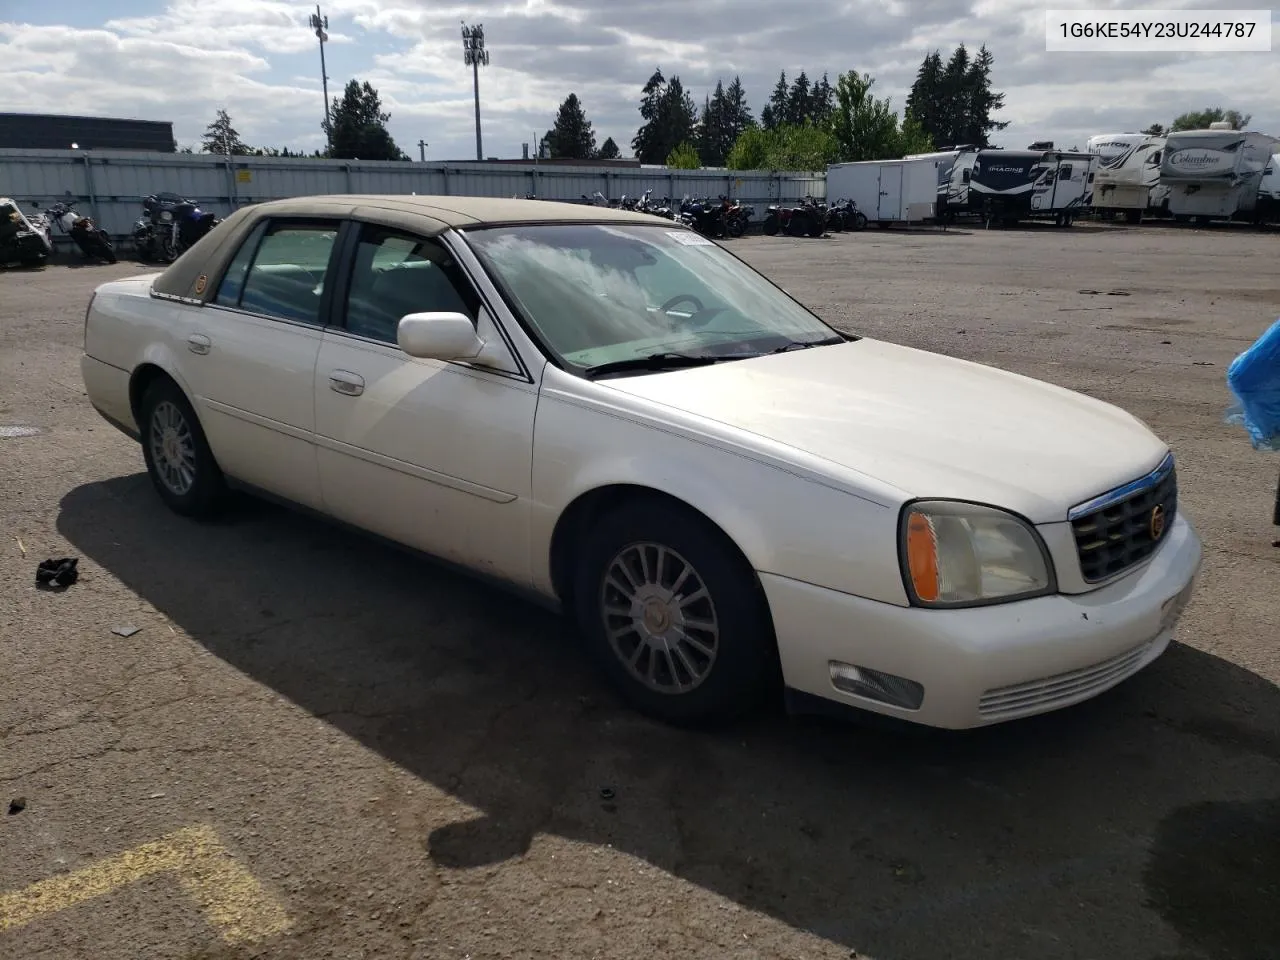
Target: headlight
[
  {"x": 166, "y": 216},
  {"x": 963, "y": 554}
]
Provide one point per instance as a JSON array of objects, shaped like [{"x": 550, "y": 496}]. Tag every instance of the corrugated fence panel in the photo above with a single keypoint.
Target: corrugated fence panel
[{"x": 110, "y": 185}]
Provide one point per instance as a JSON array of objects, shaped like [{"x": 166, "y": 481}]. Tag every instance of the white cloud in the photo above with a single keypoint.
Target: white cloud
[{"x": 255, "y": 57}]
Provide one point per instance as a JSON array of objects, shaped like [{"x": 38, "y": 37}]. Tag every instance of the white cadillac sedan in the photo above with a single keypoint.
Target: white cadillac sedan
[{"x": 620, "y": 417}]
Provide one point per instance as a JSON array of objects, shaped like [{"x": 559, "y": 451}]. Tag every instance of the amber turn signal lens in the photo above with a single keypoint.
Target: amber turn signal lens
[{"x": 922, "y": 558}]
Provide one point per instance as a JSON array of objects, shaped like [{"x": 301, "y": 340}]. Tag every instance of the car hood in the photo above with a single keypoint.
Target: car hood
[{"x": 925, "y": 424}]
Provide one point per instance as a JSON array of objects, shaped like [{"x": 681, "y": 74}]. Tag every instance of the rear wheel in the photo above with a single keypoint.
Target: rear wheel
[
  {"x": 673, "y": 614},
  {"x": 859, "y": 221},
  {"x": 178, "y": 458},
  {"x": 771, "y": 225},
  {"x": 815, "y": 226}
]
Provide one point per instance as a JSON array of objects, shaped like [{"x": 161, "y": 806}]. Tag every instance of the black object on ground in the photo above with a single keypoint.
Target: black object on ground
[
  {"x": 17, "y": 805},
  {"x": 59, "y": 573}
]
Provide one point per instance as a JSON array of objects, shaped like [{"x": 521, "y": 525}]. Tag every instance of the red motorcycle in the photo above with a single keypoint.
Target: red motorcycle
[{"x": 799, "y": 221}]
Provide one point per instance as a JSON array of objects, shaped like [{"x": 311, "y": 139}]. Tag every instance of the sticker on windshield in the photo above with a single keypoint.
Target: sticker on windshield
[{"x": 689, "y": 239}]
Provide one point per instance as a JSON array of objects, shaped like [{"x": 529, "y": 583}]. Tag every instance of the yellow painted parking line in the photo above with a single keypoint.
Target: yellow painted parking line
[{"x": 232, "y": 900}]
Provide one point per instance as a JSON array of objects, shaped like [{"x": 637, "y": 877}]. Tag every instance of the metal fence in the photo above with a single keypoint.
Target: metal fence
[{"x": 111, "y": 185}]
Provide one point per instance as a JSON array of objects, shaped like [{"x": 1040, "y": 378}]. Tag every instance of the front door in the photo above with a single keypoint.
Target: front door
[
  {"x": 890, "y": 193},
  {"x": 251, "y": 356},
  {"x": 432, "y": 454}
]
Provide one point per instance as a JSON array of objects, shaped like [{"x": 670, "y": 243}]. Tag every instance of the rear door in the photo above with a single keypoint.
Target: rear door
[
  {"x": 890, "y": 192},
  {"x": 251, "y": 356}
]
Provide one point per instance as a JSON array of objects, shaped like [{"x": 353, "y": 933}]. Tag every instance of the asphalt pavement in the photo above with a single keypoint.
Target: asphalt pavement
[{"x": 268, "y": 737}]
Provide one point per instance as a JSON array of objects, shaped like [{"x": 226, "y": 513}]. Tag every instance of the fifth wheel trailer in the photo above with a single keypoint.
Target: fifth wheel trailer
[
  {"x": 887, "y": 191},
  {"x": 1130, "y": 183},
  {"x": 1214, "y": 174}
]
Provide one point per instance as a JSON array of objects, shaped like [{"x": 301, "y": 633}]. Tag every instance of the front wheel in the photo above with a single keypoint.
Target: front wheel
[
  {"x": 771, "y": 225},
  {"x": 178, "y": 458},
  {"x": 816, "y": 227},
  {"x": 673, "y": 614}
]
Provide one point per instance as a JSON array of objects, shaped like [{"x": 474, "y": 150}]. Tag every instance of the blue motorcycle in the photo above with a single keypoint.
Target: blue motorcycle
[{"x": 170, "y": 225}]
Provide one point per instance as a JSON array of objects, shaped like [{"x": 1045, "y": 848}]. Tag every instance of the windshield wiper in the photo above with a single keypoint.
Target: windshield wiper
[
  {"x": 804, "y": 344},
  {"x": 658, "y": 361}
]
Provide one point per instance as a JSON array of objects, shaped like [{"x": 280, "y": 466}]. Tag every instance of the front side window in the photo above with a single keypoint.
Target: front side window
[
  {"x": 395, "y": 274},
  {"x": 288, "y": 272},
  {"x": 599, "y": 293}
]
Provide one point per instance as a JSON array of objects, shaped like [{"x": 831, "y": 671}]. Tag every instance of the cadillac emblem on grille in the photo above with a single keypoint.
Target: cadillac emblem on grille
[{"x": 1156, "y": 524}]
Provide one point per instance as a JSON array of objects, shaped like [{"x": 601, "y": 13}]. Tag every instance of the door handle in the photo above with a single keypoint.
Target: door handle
[
  {"x": 198, "y": 343},
  {"x": 346, "y": 383}
]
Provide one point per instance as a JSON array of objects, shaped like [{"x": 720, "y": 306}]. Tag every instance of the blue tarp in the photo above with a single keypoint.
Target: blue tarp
[{"x": 1254, "y": 379}]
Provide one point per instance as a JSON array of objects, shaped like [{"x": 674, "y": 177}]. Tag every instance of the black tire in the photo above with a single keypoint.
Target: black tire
[
  {"x": 744, "y": 663},
  {"x": 771, "y": 225},
  {"x": 859, "y": 221},
  {"x": 816, "y": 227},
  {"x": 164, "y": 402},
  {"x": 1133, "y": 216}
]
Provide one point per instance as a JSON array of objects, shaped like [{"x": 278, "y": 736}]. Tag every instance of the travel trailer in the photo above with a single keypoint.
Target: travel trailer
[
  {"x": 1129, "y": 183},
  {"x": 1108, "y": 149},
  {"x": 954, "y": 167},
  {"x": 1268, "y": 208},
  {"x": 1215, "y": 174},
  {"x": 887, "y": 191},
  {"x": 1013, "y": 185}
]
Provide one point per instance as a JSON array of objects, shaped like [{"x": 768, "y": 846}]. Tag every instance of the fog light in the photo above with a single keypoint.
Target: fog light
[{"x": 874, "y": 685}]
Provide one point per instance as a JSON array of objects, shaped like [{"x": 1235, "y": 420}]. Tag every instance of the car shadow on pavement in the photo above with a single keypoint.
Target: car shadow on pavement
[{"x": 1138, "y": 825}]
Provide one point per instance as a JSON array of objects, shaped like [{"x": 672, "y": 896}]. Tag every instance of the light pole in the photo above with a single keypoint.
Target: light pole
[
  {"x": 320, "y": 25},
  {"x": 422, "y": 150},
  {"x": 475, "y": 56}
]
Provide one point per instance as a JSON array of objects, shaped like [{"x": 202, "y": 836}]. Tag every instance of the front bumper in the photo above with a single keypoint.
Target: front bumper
[{"x": 985, "y": 665}]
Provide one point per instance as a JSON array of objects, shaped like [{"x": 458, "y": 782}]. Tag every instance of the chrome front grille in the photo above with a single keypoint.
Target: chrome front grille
[
  {"x": 1034, "y": 696},
  {"x": 1122, "y": 528}
]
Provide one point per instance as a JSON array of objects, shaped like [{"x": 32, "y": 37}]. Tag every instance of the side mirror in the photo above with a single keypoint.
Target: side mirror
[
  {"x": 442, "y": 336},
  {"x": 35, "y": 204}
]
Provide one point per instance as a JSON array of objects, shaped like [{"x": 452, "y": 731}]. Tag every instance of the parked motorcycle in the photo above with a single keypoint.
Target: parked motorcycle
[
  {"x": 93, "y": 241},
  {"x": 704, "y": 216},
  {"x": 802, "y": 220},
  {"x": 169, "y": 226},
  {"x": 851, "y": 218},
  {"x": 23, "y": 240},
  {"x": 737, "y": 217}
]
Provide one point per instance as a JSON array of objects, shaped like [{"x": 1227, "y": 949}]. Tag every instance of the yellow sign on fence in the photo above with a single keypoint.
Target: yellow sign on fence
[{"x": 244, "y": 176}]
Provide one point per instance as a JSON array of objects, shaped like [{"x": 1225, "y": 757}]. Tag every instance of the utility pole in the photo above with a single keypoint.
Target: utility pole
[
  {"x": 422, "y": 150},
  {"x": 320, "y": 25},
  {"x": 475, "y": 56}
]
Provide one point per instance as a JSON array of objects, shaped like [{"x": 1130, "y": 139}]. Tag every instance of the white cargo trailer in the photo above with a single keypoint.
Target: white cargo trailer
[{"x": 887, "y": 191}]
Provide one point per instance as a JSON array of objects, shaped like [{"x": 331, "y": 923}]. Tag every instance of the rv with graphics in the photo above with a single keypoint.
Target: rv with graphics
[
  {"x": 1129, "y": 183},
  {"x": 955, "y": 165},
  {"x": 1109, "y": 149},
  {"x": 1268, "y": 209},
  {"x": 1012, "y": 185},
  {"x": 1215, "y": 174}
]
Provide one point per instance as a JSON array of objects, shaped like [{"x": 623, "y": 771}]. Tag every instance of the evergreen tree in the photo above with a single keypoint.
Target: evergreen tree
[
  {"x": 775, "y": 112},
  {"x": 608, "y": 150},
  {"x": 798, "y": 105},
  {"x": 980, "y": 101},
  {"x": 220, "y": 137},
  {"x": 716, "y": 130},
  {"x": 1155, "y": 130},
  {"x": 357, "y": 130},
  {"x": 738, "y": 113},
  {"x": 925, "y": 99},
  {"x": 670, "y": 119},
  {"x": 571, "y": 135},
  {"x": 822, "y": 101}
]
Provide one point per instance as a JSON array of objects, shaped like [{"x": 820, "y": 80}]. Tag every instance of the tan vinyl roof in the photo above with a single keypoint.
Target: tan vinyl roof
[
  {"x": 193, "y": 274},
  {"x": 458, "y": 212}
]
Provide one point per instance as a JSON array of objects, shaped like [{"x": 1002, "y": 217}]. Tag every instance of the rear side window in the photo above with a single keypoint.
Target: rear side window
[
  {"x": 233, "y": 279},
  {"x": 1064, "y": 172},
  {"x": 287, "y": 273}
]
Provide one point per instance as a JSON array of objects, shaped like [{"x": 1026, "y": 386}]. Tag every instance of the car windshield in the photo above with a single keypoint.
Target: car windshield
[{"x": 602, "y": 293}]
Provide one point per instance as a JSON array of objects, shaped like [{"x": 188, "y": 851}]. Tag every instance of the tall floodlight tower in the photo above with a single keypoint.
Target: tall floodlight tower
[
  {"x": 321, "y": 25},
  {"x": 475, "y": 56}
]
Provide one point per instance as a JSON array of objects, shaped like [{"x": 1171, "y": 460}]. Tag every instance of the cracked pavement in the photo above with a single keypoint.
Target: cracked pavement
[{"x": 412, "y": 764}]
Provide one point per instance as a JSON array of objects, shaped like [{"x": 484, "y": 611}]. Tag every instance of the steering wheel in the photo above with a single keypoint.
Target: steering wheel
[{"x": 682, "y": 298}]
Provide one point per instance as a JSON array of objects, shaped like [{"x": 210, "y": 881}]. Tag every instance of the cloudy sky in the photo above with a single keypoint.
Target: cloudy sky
[{"x": 180, "y": 60}]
